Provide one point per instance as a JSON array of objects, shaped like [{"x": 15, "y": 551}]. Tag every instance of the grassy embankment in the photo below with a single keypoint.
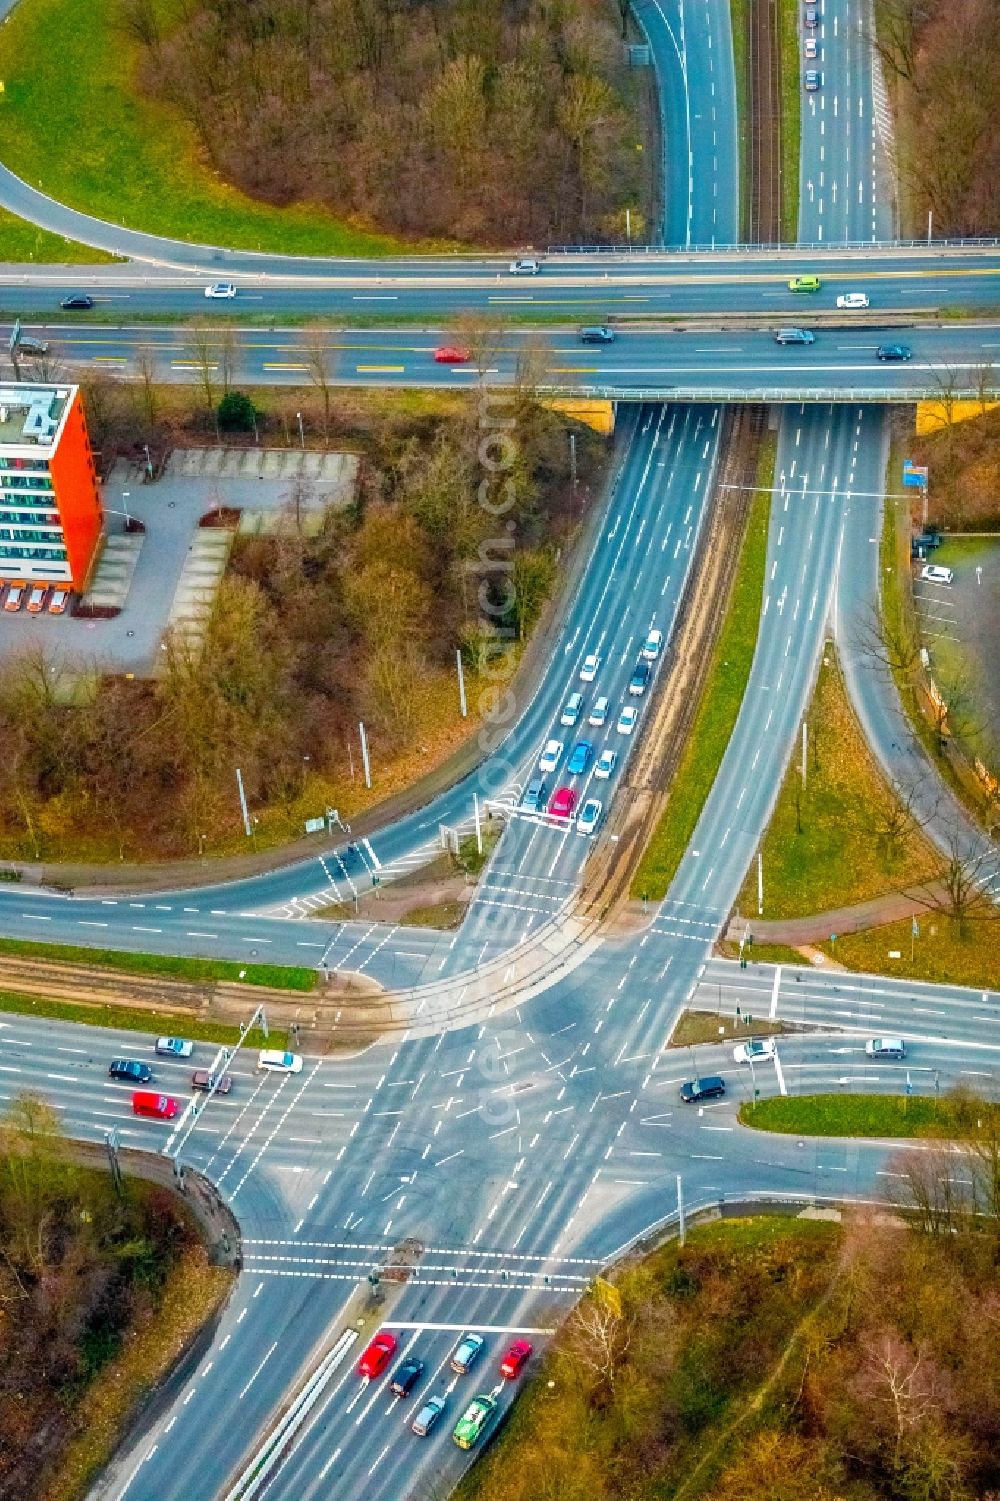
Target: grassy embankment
[
  {"x": 21, "y": 242},
  {"x": 69, "y": 75},
  {"x": 791, "y": 126},
  {"x": 725, "y": 685}
]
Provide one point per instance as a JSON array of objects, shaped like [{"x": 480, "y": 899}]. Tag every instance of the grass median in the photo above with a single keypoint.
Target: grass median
[
  {"x": 721, "y": 698},
  {"x": 137, "y": 1019},
  {"x": 883, "y": 1115},
  {"x": 791, "y": 123},
  {"x": 167, "y": 966}
]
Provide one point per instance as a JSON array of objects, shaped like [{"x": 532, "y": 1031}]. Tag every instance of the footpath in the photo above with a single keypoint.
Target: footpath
[{"x": 893, "y": 906}]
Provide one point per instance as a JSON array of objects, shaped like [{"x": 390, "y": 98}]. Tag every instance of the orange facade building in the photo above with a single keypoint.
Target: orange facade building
[{"x": 50, "y": 504}]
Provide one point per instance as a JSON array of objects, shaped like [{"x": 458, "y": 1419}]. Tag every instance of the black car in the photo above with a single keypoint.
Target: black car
[
  {"x": 130, "y": 1070},
  {"x": 79, "y": 301},
  {"x": 535, "y": 795},
  {"x": 640, "y": 677},
  {"x": 597, "y": 333},
  {"x": 894, "y": 352},
  {"x": 406, "y": 1375},
  {"x": 702, "y": 1089}
]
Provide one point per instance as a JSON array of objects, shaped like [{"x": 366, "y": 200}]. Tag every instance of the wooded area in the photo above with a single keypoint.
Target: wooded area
[
  {"x": 942, "y": 61},
  {"x": 453, "y": 543},
  {"x": 516, "y": 120},
  {"x": 82, "y": 1272}
]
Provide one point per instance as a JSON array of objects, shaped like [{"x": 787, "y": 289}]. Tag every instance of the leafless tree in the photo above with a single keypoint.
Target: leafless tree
[
  {"x": 483, "y": 334},
  {"x": 962, "y": 885},
  {"x": 201, "y": 348},
  {"x": 930, "y": 1185},
  {"x": 894, "y": 31},
  {"x": 598, "y": 1335},
  {"x": 319, "y": 365},
  {"x": 901, "y": 813},
  {"x": 147, "y": 377}
]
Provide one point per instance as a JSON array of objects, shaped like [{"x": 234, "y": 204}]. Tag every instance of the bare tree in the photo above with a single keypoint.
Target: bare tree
[
  {"x": 147, "y": 378},
  {"x": 201, "y": 349},
  {"x": 483, "y": 335},
  {"x": 904, "y": 1382},
  {"x": 319, "y": 365},
  {"x": 598, "y": 1335},
  {"x": 928, "y": 1185},
  {"x": 901, "y": 813},
  {"x": 962, "y": 885}
]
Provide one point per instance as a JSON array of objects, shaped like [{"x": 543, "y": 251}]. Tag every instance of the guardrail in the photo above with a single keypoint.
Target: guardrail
[
  {"x": 985, "y": 242},
  {"x": 771, "y": 395}
]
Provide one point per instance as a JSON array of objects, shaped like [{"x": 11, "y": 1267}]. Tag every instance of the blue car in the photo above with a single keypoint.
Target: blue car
[{"x": 582, "y": 755}]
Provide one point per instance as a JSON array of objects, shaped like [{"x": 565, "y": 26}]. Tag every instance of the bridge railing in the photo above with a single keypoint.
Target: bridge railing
[
  {"x": 770, "y": 395},
  {"x": 984, "y": 242}
]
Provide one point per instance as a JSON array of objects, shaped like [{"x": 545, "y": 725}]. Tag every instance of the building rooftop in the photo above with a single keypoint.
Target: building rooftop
[{"x": 30, "y": 414}]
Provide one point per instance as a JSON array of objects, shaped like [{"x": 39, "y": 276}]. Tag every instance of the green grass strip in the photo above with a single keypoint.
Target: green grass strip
[
  {"x": 740, "y": 18},
  {"x": 21, "y": 242},
  {"x": 132, "y": 1019},
  {"x": 167, "y": 966},
  {"x": 720, "y": 703},
  {"x": 791, "y": 126},
  {"x": 881, "y": 1115}
]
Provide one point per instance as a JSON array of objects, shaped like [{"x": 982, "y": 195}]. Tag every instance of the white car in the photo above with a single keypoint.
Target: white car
[
  {"x": 811, "y": 48},
  {"x": 935, "y": 574},
  {"x": 627, "y": 719},
  {"x": 754, "y": 1049},
  {"x": 525, "y": 267},
  {"x": 599, "y": 712},
  {"x": 606, "y": 763},
  {"x": 551, "y": 756},
  {"x": 174, "y": 1047},
  {"x": 221, "y": 289},
  {"x": 589, "y": 816},
  {"x": 653, "y": 645},
  {"x": 853, "y": 299},
  {"x": 275, "y": 1062},
  {"x": 588, "y": 671}
]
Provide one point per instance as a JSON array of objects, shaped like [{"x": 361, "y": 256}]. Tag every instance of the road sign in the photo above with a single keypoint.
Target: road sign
[
  {"x": 315, "y": 825},
  {"x": 914, "y": 475}
]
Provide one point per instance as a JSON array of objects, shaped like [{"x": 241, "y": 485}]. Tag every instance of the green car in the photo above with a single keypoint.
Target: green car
[
  {"x": 804, "y": 284},
  {"x": 469, "y": 1428}
]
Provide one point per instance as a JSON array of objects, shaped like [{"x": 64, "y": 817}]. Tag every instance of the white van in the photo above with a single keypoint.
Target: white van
[
  {"x": 885, "y": 1047},
  {"x": 275, "y": 1062}
]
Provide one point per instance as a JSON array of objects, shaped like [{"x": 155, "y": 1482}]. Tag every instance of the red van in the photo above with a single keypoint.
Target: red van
[{"x": 161, "y": 1106}]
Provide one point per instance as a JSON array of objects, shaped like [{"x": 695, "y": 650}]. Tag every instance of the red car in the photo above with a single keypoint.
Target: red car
[
  {"x": 452, "y": 354},
  {"x": 513, "y": 1362},
  {"x": 377, "y": 1356},
  {"x": 563, "y": 802}
]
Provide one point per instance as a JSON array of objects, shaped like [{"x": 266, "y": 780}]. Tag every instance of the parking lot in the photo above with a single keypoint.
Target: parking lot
[{"x": 959, "y": 624}]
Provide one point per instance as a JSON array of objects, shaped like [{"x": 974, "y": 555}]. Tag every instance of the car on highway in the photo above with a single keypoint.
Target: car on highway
[
  {"x": 202, "y": 1078},
  {"x": 377, "y": 1355},
  {"x": 515, "y": 1360},
  {"x": 852, "y": 299},
  {"x": 804, "y": 284},
  {"x": 452, "y": 354},
  {"x": 606, "y": 763},
  {"x": 599, "y": 712},
  {"x": 59, "y": 601},
  {"x": 221, "y": 289},
  {"x": 534, "y": 795},
  {"x": 583, "y": 754},
  {"x": 525, "y": 266},
  {"x": 551, "y": 755},
  {"x": 894, "y": 352},
  {"x": 709, "y": 1088},
  {"x": 174, "y": 1047},
  {"x": 936, "y": 573},
  {"x": 794, "y": 336},
  {"x": 427, "y": 1417},
  {"x": 15, "y": 597},
  {"x": 652, "y": 646},
  {"x": 588, "y": 671},
  {"x": 571, "y": 709},
  {"x": 161, "y": 1107},
  {"x": 36, "y": 599},
  {"x": 130, "y": 1070},
  {"x": 885, "y": 1047},
  {"x": 627, "y": 719},
  {"x": 597, "y": 333},
  {"x": 811, "y": 48},
  {"x": 466, "y": 1352},
  {"x": 812, "y": 17},
  {"x": 274, "y": 1061},
  {"x": 563, "y": 802},
  {"x": 406, "y": 1375},
  {"x": 589, "y": 816},
  {"x": 640, "y": 677},
  {"x": 813, "y": 80},
  {"x": 469, "y": 1428},
  {"x": 754, "y": 1049},
  {"x": 77, "y": 302}
]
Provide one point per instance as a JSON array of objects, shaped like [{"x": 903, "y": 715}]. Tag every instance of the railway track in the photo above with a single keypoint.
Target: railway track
[{"x": 763, "y": 94}]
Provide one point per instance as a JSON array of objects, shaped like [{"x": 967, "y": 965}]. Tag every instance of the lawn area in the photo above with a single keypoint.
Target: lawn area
[
  {"x": 761, "y": 953},
  {"x": 791, "y": 101},
  {"x": 739, "y": 11},
  {"x": 695, "y": 1027},
  {"x": 22, "y": 242},
  {"x": 68, "y": 77},
  {"x": 446, "y": 916},
  {"x": 720, "y": 703},
  {"x": 837, "y": 842},
  {"x": 879, "y": 1115},
  {"x": 133, "y": 1019},
  {"x": 939, "y": 954},
  {"x": 169, "y": 966}
]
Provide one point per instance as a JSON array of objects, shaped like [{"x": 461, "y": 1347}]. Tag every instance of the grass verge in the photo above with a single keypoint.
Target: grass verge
[
  {"x": 445, "y": 916},
  {"x": 721, "y": 698},
  {"x": 791, "y": 123},
  {"x": 21, "y": 242},
  {"x": 761, "y": 953},
  {"x": 883, "y": 1115},
  {"x": 167, "y": 966},
  {"x": 941, "y": 955},
  {"x": 739, "y": 11},
  {"x": 69, "y": 75},
  {"x": 843, "y": 838},
  {"x": 695, "y": 1027},
  {"x": 133, "y": 1019}
]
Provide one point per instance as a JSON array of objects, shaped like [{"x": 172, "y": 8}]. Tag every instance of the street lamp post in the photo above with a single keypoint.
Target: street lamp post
[
  {"x": 302, "y": 435},
  {"x": 128, "y": 519}
]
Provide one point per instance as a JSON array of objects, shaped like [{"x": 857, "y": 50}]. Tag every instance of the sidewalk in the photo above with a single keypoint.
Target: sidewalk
[{"x": 893, "y": 906}]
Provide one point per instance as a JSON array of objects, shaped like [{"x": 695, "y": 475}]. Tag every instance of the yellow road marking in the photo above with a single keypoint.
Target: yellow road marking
[
  {"x": 282, "y": 365},
  {"x": 386, "y": 369}
]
